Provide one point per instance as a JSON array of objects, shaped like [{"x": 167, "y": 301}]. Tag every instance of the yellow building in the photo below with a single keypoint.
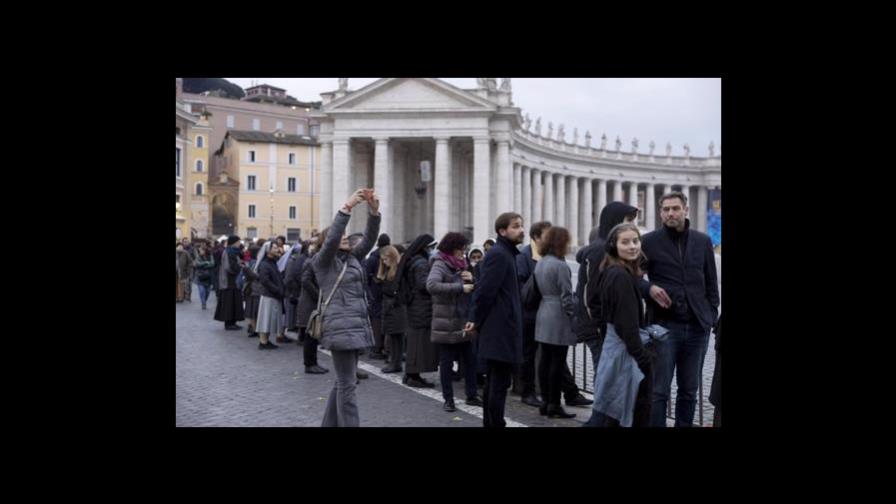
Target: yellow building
[
  {"x": 184, "y": 122},
  {"x": 278, "y": 188},
  {"x": 197, "y": 180}
]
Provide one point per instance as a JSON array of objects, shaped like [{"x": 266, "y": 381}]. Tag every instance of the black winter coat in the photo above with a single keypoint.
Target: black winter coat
[
  {"x": 686, "y": 270},
  {"x": 496, "y": 308},
  {"x": 270, "y": 280},
  {"x": 419, "y": 310},
  {"x": 394, "y": 314},
  {"x": 308, "y": 295}
]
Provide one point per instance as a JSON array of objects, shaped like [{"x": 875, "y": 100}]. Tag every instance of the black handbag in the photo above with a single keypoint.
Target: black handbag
[{"x": 531, "y": 294}]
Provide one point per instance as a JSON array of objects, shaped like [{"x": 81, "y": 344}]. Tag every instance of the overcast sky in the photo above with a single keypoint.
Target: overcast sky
[{"x": 677, "y": 110}]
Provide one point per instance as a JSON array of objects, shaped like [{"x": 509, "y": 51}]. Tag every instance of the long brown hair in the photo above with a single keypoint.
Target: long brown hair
[{"x": 388, "y": 272}]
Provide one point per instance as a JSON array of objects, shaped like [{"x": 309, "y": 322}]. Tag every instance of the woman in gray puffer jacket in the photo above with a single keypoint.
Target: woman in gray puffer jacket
[
  {"x": 450, "y": 286},
  {"x": 346, "y": 327}
]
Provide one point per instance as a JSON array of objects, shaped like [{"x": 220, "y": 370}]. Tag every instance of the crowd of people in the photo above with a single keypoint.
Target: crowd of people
[{"x": 644, "y": 306}]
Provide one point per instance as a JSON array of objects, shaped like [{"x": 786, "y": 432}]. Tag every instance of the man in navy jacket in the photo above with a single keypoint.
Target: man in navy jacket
[
  {"x": 496, "y": 314},
  {"x": 684, "y": 298}
]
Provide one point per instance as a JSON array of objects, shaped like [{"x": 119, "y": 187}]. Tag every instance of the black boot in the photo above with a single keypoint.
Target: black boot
[{"x": 557, "y": 411}]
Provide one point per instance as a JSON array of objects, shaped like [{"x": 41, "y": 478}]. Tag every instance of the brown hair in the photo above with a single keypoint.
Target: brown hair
[
  {"x": 503, "y": 221},
  {"x": 633, "y": 267},
  {"x": 382, "y": 272},
  {"x": 538, "y": 228},
  {"x": 672, "y": 195},
  {"x": 556, "y": 242}
]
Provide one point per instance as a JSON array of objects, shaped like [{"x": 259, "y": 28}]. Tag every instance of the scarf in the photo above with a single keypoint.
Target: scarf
[{"x": 454, "y": 262}]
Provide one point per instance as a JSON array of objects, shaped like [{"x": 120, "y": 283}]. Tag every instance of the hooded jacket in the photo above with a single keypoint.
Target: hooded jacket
[{"x": 588, "y": 307}]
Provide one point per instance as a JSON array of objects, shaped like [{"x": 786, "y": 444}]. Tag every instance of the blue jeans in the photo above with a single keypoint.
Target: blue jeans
[
  {"x": 684, "y": 350},
  {"x": 342, "y": 406},
  {"x": 203, "y": 292}
]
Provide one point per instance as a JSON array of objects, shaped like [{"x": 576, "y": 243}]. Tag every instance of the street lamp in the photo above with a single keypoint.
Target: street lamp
[{"x": 271, "y": 190}]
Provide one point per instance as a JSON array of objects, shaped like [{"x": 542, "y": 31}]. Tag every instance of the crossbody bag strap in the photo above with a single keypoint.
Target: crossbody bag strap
[{"x": 334, "y": 287}]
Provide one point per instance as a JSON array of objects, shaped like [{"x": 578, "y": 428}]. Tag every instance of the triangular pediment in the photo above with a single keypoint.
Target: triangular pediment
[{"x": 395, "y": 94}]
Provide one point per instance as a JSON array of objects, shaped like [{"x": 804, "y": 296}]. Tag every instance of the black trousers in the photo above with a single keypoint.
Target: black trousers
[
  {"x": 497, "y": 382},
  {"x": 377, "y": 325},
  {"x": 526, "y": 373},
  {"x": 550, "y": 371},
  {"x": 309, "y": 348}
]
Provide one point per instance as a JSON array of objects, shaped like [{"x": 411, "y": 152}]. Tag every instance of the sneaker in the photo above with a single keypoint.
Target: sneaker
[
  {"x": 449, "y": 405},
  {"x": 232, "y": 327},
  {"x": 315, "y": 369},
  {"x": 253, "y": 334},
  {"x": 391, "y": 369},
  {"x": 474, "y": 401},
  {"x": 362, "y": 375},
  {"x": 267, "y": 346},
  {"x": 283, "y": 339}
]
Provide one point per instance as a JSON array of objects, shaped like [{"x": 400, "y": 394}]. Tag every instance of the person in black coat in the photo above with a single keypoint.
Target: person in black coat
[
  {"x": 307, "y": 303},
  {"x": 395, "y": 320},
  {"x": 375, "y": 298},
  {"x": 230, "y": 300},
  {"x": 525, "y": 266},
  {"x": 292, "y": 280},
  {"x": 623, "y": 307},
  {"x": 684, "y": 297},
  {"x": 590, "y": 328},
  {"x": 496, "y": 315},
  {"x": 422, "y": 355}
]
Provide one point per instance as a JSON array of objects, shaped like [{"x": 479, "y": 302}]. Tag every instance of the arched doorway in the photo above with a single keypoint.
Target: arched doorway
[{"x": 223, "y": 215}]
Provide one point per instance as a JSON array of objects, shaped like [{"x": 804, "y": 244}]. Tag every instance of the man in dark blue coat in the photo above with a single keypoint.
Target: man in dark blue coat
[
  {"x": 496, "y": 315},
  {"x": 684, "y": 295}
]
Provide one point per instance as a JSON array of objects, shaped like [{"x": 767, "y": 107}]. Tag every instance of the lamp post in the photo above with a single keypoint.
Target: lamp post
[{"x": 271, "y": 190}]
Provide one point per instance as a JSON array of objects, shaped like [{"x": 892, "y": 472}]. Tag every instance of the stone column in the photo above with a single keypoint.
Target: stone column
[
  {"x": 588, "y": 209},
  {"x": 633, "y": 194},
  {"x": 702, "y": 198},
  {"x": 526, "y": 203},
  {"x": 548, "y": 210},
  {"x": 518, "y": 189},
  {"x": 325, "y": 204},
  {"x": 617, "y": 190},
  {"x": 537, "y": 197},
  {"x": 503, "y": 189},
  {"x": 650, "y": 203},
  {"x": 381, "y": 174},
  {"x": 601, "y": 197},
  {"x": 341, "y": 188},
  {"x": 482, "y": 221},
  {"x": 574, "y": 211},
  {"x": 560, "y": 203},
  {"x": 442, "y": 189}
]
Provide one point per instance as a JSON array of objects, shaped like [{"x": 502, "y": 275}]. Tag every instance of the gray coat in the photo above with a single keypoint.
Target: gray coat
[
  {"x": 227, "y": 273},
  {"x": 449, "y": 303},
  {"x": 555, "y": 320},
  {"x": 346, "y": 325}
]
